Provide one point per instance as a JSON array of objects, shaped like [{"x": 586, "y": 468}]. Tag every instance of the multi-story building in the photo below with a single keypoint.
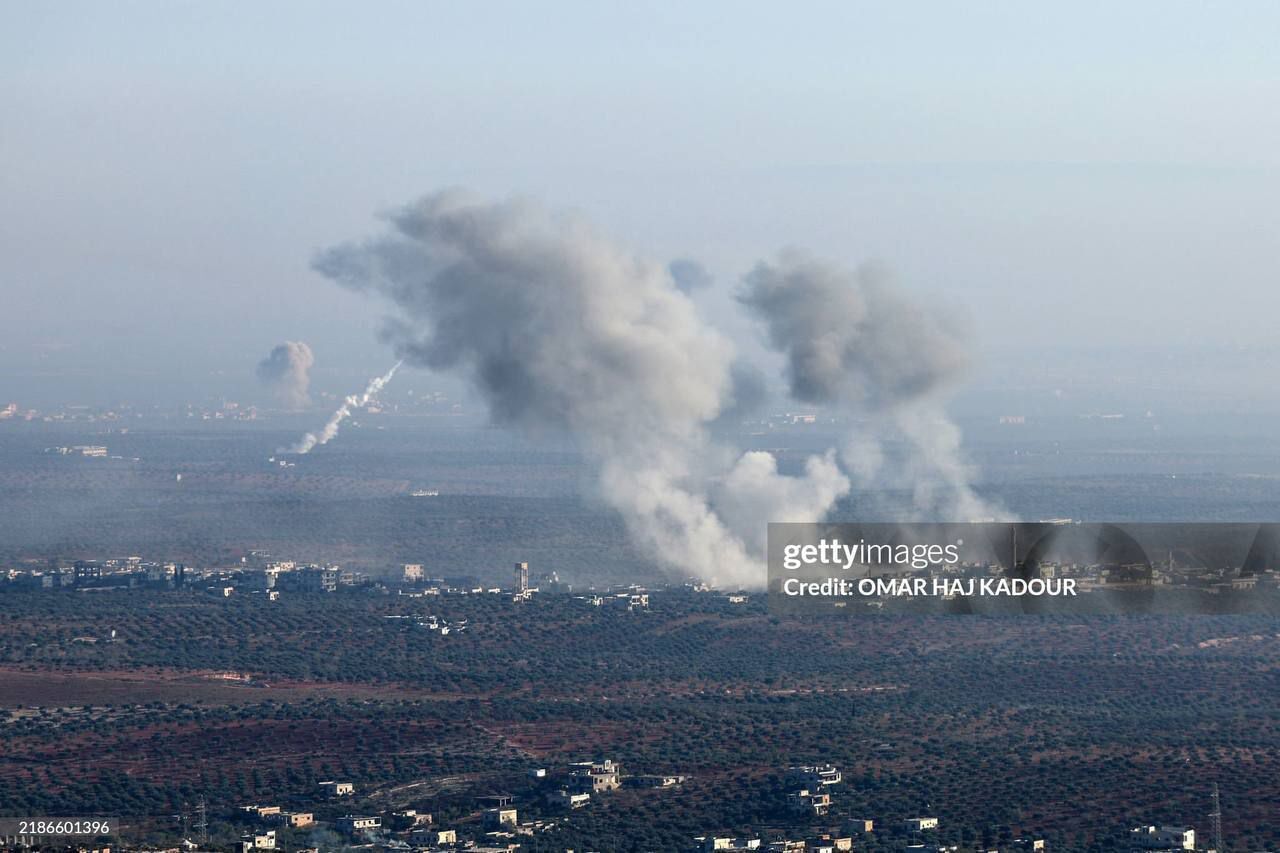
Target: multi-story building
[
  {"x": 596, "y": 776},
  {"x": 316, "y": 579},
  {"x": 88, "y": 571},
  {"x": 806, "y": 801}
]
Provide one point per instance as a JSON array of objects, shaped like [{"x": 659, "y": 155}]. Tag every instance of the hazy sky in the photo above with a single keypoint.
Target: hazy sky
[{"x": 1092, "y": 173}]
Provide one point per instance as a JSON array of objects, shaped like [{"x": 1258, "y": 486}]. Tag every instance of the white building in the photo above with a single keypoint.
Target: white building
[
  {"x": 1163, "y": 837},
  {"x": 724, "y": 842},
  {"x": 816, "y": 776},
  {"x": 338, "y": 789},
  {"x": 358, "y": 823},
  {"x": 568, "y": 800},
  {"x": 259, "y": 841}
]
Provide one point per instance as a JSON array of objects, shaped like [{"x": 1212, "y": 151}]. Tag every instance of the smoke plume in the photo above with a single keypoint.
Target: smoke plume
[
  {"x": 286, "y": 370},
  {"x": 559, "y": 328},
  {"x": 850, "y": 340},
  {"x": 312, "y": 440},
  {"x": 689, "y": 275}
]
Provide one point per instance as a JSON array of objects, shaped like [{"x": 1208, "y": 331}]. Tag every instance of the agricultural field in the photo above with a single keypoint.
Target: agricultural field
[{"x": 1071, "y": 729}]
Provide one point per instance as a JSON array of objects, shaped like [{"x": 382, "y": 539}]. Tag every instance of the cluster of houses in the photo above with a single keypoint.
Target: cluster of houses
[
  {"x": 499, "y": 828},
  {"x": 834, "y": 843},
  {"x": 808, "y": 793},
  {"x": 416, "y": 827},
  {"x": 1142, "y": 839}
]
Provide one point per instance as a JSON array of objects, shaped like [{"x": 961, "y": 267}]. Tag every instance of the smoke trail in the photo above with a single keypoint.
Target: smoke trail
[
  {"x": 312, "y": 440},
  {"x": 285, "y": 370},
  {"x": 559, "y": 328},
  {"x": 850, "y": 340}
]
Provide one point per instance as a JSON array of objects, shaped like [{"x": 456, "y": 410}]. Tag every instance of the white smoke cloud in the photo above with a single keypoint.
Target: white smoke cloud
[
  {"x": 850, "y": 340},
  {"x": 312, "y": 440},
  {"x": 756, "y": 493},
  {"x": 560, "y": 328},
  {"x": 286, "y": 369}
]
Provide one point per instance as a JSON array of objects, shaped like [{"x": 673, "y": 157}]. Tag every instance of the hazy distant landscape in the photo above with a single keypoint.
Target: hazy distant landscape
[
  {"x": 503, "y": 498},
  {"x": 403, "y": 406}
]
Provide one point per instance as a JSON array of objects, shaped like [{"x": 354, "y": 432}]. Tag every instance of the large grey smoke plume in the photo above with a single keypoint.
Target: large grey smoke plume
[
  {"x": 560, "y": 328},
  {"x": 286, "y": 370},
  {"x": 851, "y": 340},
  {"x": 312, "y": 440}
]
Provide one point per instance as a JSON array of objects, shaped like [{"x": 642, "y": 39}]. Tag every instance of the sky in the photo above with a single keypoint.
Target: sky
[{"x": 1088, "y": 175}]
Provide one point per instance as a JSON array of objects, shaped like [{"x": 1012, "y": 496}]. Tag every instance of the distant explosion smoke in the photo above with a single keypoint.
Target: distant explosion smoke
[
  {"x": 850, "y": 340},
  {"x": 286, "y": 370},
  {"x": 312, "y": 440},
  {"x": 559, "y": 328}
]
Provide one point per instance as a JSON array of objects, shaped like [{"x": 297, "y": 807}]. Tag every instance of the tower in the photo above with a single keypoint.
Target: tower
[
  {"x": 203, "y": 823},
  {"x": 522, "y": 577},
  {"x": 1215, "y": 821}
]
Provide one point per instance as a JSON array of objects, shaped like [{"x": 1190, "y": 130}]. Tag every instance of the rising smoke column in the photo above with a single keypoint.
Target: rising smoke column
[
  {"x": 560, "y": 329},
  {"x": 286, "y": 370},
  {"x": 852, "y": 341},
  {"x": 354, "y": 401}
]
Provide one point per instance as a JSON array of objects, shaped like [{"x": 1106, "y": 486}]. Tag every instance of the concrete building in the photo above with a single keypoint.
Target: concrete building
[
  {"x": 261, "y": 812},
  {"x": 357, "y": 823},
  {"x": 261, "y": 579},
  {"x": 596, "y": 776},
  {"x": 87, "y": 571},
  {"x": 410, "y": 819},
  {"x": 568, "y": 799},
  {"x": 920, "y": 824},
  {"x": 441, "y": 836},
  {"x": 316, "y": 579},
  {"x": 521, "y": 580},
  {"x": 710, "y": 843},
  {"x": 296, "y": 820},
  {"x": 817, "y": 776},
  {"x": 337, "y": 789},
  {"x": 498, "y": 818},
  {"x": 413, "y": 573},
  {"x": 806, "y": 801},
  {"x": 258, "y": 841},
  {"x": 1163, "y": 837}
]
